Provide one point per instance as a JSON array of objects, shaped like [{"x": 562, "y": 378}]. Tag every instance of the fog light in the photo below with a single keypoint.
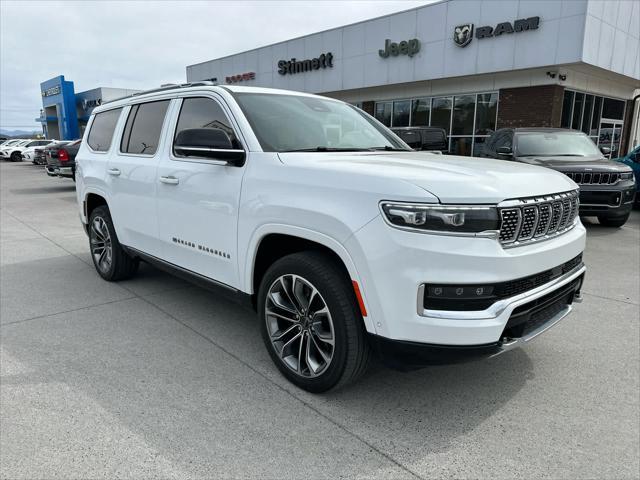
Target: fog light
[{"x": 459, "y": 297}]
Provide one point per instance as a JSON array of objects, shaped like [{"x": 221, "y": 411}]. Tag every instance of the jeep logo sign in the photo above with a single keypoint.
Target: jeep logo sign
[
  {"x": 405, "y": 47},
  {"x": 463, "y": 34}
]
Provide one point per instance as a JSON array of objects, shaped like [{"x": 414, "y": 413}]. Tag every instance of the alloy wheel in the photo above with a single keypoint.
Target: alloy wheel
[
  {"x": 299, "y": 325},
  {"x": 101, "y": 247}
]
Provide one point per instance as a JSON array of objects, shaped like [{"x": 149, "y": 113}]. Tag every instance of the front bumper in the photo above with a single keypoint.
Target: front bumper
[
  {"x": 607, "y": 200},
  {"x": 406, "y": 355},
  {"x": 394, "y": 265}
]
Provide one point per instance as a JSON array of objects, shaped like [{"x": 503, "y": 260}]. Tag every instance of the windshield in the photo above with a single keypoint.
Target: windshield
[
  {"x": 555, "y": 144},
  {"x": 285, "y": 123}
]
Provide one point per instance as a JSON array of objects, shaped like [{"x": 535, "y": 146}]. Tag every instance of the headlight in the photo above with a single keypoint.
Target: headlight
[
  {"x": 626, "y": 176},
  {"x": 446, "y": 219}
]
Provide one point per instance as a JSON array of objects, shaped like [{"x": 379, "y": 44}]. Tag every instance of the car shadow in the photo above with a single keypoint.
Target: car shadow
[
  {"x": 145, "y": 361},
  {"x": 422, "y": 411},
  {"x": 61, "y": 188}
]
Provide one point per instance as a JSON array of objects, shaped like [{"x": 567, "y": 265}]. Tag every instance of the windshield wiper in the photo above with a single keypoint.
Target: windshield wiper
[
  {"x": 388, "y": 148},
  {"x": 327, "y": 149}
]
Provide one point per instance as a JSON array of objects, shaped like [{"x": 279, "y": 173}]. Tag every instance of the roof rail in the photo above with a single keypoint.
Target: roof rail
[{"x": 172, "y": 86}]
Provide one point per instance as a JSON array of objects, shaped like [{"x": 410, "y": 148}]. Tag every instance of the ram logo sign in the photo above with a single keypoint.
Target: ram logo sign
[{"x": 463, "y": 34}]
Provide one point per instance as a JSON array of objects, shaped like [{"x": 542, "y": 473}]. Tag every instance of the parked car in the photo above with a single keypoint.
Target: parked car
[
  {"x": 632, "y": 159},
  {"x": 345, "y": 241},
  {"x": 61, "y": 159},
  {"x": 607, "y": 188},
  {"x": 28, "y": 151},
  {"x": 39, "y": 153},
  {"x": 12, "y": 150},
  {"x": 424, "y": 138}
]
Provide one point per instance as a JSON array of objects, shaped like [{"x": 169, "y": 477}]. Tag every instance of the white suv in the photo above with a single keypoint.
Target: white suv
[{"x": 343, "y": 239}]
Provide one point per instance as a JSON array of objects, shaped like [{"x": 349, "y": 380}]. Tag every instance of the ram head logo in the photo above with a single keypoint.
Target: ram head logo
[{"x": 463, "y": 34}]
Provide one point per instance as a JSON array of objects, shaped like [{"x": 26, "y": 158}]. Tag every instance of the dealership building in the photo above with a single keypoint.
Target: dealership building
[
  {"x": 65, "y": 113},
  {"x": 469, "y": 67}
]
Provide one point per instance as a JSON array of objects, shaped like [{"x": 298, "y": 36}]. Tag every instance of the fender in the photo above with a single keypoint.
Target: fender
[{"x": 262, "y": 231}]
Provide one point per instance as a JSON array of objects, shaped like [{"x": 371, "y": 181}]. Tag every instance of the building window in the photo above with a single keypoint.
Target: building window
[
  {"x": 468, "y": 119},
  {"x": 578, "y": 103},
  {"x": 441, "y": 113},
  {"x": 486, "y": 113},
  {"x": 383, "y": 113},
  {"x": 567, "y": 105},
  {"x": 420, "y": 112},
  {"x": 599, "y": 117},
  {"x": 613, "y": 109},
  {"x": 401, "y": 113},
  {"x": 463, "y": 113},
  {"x": 588, "y": 112}
]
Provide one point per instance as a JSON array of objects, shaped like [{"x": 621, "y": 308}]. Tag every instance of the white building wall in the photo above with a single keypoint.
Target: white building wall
[{"x": 600, "y": 33}]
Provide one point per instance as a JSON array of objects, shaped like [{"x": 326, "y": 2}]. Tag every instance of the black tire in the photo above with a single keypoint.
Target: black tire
[
  {"x": 16, "y": 157},
  {"x": 351, "y": 351},
  {"x": 615, "y": 222},
  {"x": 121, "y": 266}
]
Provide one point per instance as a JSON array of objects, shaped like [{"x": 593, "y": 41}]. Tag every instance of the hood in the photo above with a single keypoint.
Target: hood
[
  {"x": 575, "y": 164},
  {"x": 451, "y": 178}
]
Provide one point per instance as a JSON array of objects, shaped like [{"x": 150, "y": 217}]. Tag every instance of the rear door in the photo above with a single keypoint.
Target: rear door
[{"x": 132, "y": 176}]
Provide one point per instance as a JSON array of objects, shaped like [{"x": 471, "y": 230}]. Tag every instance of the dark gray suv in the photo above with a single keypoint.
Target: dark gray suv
[{"x": 607, "y": 188}]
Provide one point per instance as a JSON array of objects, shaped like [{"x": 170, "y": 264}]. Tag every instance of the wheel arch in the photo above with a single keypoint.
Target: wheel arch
[
  {"x": 271, "y": 242},
  {"x": 93, "y": 200}
]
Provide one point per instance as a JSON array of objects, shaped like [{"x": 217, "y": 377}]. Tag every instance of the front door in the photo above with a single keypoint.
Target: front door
[
  {"x": 132, "y": 173},
  {"x": 198, "y": 198}
]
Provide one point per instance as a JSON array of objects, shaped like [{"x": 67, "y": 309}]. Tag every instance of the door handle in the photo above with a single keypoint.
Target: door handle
[
  {"x": 113, "y": 171},
  {"x": 170, "y": 180}
]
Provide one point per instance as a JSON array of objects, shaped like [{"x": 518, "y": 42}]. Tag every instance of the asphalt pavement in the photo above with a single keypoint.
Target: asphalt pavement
[{"x": 154, "y": 377}]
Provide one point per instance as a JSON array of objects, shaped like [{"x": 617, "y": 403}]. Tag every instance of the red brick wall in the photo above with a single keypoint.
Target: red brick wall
[
  {"x": 530, "y": 106},
  {"x": 368, "y": 107}
]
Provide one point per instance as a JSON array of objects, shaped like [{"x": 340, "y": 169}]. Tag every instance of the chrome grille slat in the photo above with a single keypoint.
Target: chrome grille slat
[
  {"x": 543, "y": 223},
  {"x": 535, "y": 219}
]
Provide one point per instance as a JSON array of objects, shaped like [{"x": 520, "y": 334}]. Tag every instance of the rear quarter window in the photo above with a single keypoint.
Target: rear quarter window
[{"x": 102, "y": 128}]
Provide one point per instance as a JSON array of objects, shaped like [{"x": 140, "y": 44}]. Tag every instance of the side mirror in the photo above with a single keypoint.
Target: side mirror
[
  {"x": 504, "y": 151},
  {"x": 636, "y": 157},
  {"x": 605, "y": 150},
  {"x": 212, "y": 143}
]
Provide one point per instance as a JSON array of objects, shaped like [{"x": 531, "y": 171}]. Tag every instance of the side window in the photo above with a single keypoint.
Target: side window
[
  {"x": 102, "y": 130},
  {"x": 201, "y": 112},
  {"x": 144, "y": 125}
]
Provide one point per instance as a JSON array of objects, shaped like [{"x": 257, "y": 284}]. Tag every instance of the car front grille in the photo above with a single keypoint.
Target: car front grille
[
  {"x": 594, "y": 178},
  {"x": 539, "y": 218}
]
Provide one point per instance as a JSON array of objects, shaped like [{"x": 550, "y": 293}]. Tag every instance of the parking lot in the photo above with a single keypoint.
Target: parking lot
[{"x": 154, "y": 377}]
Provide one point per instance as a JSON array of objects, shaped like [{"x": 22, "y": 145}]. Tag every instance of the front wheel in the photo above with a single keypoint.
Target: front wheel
[
  {"x": 616, "y": 222},
  {"x": 111, "y": 261},
  {"x": 311, "y": 323},
  {"x": 16, "y": 157}
]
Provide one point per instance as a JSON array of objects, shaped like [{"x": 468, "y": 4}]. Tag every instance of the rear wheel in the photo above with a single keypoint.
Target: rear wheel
[
  {"x": 614, "y": 221},
  {"x": 111, "y": 261},
  {"x": 310, "y": 322}
]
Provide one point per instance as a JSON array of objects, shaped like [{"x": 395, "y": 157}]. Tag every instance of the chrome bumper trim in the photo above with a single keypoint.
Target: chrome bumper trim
[{"x": 500, "y": 306}]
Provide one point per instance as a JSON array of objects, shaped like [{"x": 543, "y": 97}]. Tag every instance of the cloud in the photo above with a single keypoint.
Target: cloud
[{"x": 142, "y": 44}]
